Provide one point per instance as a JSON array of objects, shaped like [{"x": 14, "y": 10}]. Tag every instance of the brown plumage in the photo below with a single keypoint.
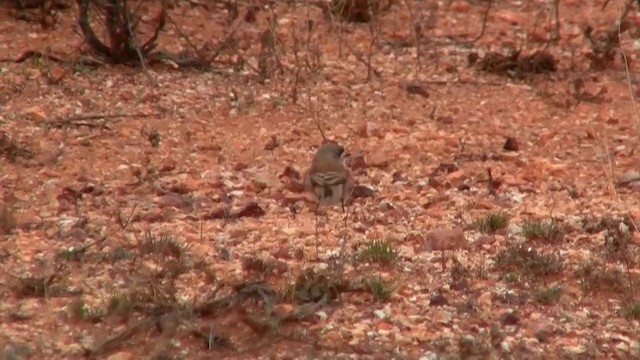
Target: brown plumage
[{"x": 328, "y": 179}]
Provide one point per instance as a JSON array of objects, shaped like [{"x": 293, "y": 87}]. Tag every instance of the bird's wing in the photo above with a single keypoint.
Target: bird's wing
[{"x": 331, "y": 178}]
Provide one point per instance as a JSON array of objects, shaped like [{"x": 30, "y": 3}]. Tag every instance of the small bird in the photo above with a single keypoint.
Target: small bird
[{"x": 328, "y": 179}]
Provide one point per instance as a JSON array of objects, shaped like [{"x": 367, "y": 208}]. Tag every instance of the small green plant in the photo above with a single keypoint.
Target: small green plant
[
  {"x": 632, "y": 311},
  {"x": 70, "y": 254},
  {"x": 512, "y": 277},
  {"x": 124, "y": 304},
  {"x": 78, "y": 310},
  {"x": 548, "y": 295},
  {"x": 163, "y": 245},
  {"x": 154, "y": 138},
  {"x": 378, "y": 251},
  {"x": 473, "y": 347},
  {"x": 550, "y": 230},
  {"x": 380, "y": 289},
  {"x": 492, "y": 223},
  {"x": 527, "y": 261},
  {"x": 118, "y": 254}
]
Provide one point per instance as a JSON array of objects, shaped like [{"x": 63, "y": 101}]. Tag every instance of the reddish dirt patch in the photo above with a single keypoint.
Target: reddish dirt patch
[{"x": 208, "y": 160}]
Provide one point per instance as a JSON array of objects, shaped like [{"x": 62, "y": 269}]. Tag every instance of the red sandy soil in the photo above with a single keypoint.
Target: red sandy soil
[{"x": 215, "y": 150}]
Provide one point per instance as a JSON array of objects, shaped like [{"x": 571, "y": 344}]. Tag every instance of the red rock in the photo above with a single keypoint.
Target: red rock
[
  {"x": 511, "y": 17},
  {"x": 252, "y": 209},
  {"x": 357, "y": 161},
  {"x": 368, "y": 129},
  {"x": 290, "y": 172},
  {"x": 361, "y": 191},
  {"x": 168, "y": 164},
  {"x": 240, "y": 166},
  {"x": 460, "y": 6},
  {"x": 56, "y": 74}
]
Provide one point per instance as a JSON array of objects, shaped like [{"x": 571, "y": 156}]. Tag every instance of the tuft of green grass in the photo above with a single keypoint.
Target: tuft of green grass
[
  {"x": 380, "y": 289},
  {"x": 163, "y": 245},
  {"x": 470, "y": 346},
  {"x": 632, "y": 311},
  {"x": 126, "y": 303},
  {"x": 78, "y": 310},
  {"x": 548, "y": 295},
  {"x": 71, "y": 254},
  {"x": 550, "y": 230},
  {"x": 527, "y": 261},
  {"x": 492, "y": 223},
  {"x": 378, "y": 251}
]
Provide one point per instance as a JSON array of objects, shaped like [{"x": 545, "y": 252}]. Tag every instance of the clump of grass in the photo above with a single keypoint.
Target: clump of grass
[
  {"x": 632, "y": 311},
  {"x": 378, "y": 251},
  {"x": 473, "y": 347},
  {"x": 380, "y": 289},
  {"x": 313, "y": 286},
  {"x": 548, "y": 295},
  {"x": 492, "y": 223},
  {"x": 70, "y": 254},
  {"x": 118, "y": 254},
  {"x": 550, "y": 230},
  {"x": 126, "y": 303},
  {"x": 163, "y": 245},
  {"x": 594, "y": 277},
  {"x": 527, "y": 261},
  {"x": 78, "y": 310}
]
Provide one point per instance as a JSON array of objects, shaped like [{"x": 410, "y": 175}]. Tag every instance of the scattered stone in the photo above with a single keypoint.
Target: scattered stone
[
  {"x": 417, "y": 88},
  {"x": 272, "y": 144},
  {"x": 168, "y": 164},
  {"x": 542, "y": 330},
  {"x": 438, "y": 300},
  {"x": 290, "y": 172},
  {"x": 240, "y": 166},
  {"x": 630, "y": 177},
  {"x": 361, "y": 191},
  {"x": 368, "y": 129},
  {"x": 357, "y": 161},
  {"x": 252, "y": 209},
  {"x": 56, "y": 74},
  {"x": 122, "y": 355},
  {"x": 510, "y": 318},
  {"x": 460, "y": 6},
  {"x": 511, "y": 144}
]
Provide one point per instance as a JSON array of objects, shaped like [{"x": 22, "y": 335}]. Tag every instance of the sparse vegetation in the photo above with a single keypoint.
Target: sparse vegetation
[
  {"x": 548, "y": 295},
  {"x": 158, "y": 209},
  {"x": 527, "y": 261},
  {"x": 596, "y": 277},
  {"x": 379, "y": 288},
  {"x": 550, "y": 230},
  {"x": 378, "y": 251},
  {"x": 632, "y": 311},
  {"x": 492, "y": 222}
]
